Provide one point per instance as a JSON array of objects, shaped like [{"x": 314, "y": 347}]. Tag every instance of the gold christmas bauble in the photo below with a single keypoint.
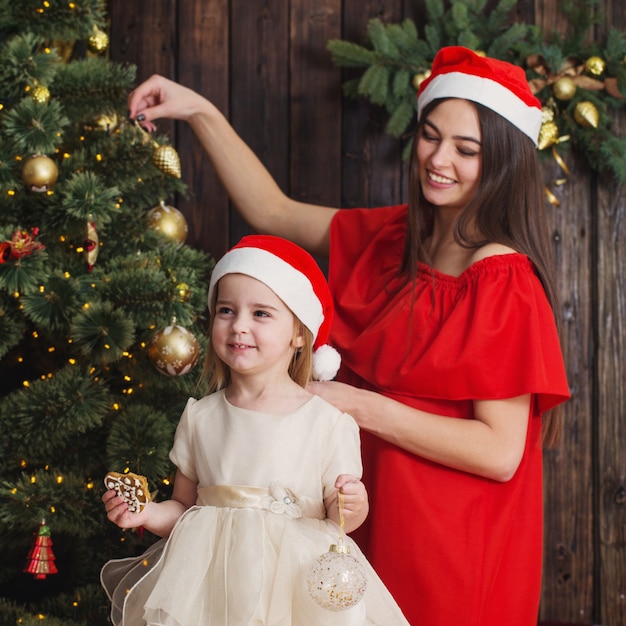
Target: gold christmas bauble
[
  {"x": 547, "y": 114},
  {"x": 595, "y": 65},
  {"x": 548, "y": 135},
  {"x": 39, "y": 173},
  {"x": 586, "y": 114},
  {"x": 418, "y": 79},
  {"x": 173, "y": 350},
  {"x": 564, "y": 88},
  {"x": 40, "y": 94},
  {"x": 169, "y": 221},
  {"x": 183, "y": 292},
  {"x": 167, "y": 160},
  {"x": 99, "y": 40},
  {"x": 105, "y": 122}
]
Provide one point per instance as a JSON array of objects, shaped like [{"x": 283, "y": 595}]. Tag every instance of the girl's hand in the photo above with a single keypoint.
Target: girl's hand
[
  {"x": 355, "y": 501},
  {"x": 118, "y": 513}
]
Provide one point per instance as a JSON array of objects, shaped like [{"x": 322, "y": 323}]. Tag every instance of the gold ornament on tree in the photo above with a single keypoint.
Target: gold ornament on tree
[
  {"x": 169, "y": 221},
  {"x": 336, "y": 580},
  {"x": 98, "y": 41},
  {"x": 105, "y": 122},
  {"x": 173, "y": 350},
  {"x": 586, "y": 114},
  {"x": 39, "y": 173},
  {"x": 166, "y": 159},
  {"x": 40, "y": 94},
  {"x": 183, "y": 292}
]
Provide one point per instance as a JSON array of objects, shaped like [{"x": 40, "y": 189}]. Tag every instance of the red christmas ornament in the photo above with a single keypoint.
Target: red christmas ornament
[
  {"x": 21, "y": 244},
  {"x": 40, "y": 559},
  {"x": 5, "y": 251}
]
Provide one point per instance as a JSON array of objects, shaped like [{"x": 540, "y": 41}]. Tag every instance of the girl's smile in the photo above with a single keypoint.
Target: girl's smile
[{"x": 253, "y": 328}]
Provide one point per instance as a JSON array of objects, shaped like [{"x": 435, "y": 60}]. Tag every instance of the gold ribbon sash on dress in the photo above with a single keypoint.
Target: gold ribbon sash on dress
[{"x": 272, "y": 499}]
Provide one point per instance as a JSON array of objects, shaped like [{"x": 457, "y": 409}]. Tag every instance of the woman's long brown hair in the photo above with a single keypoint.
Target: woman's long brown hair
[{"x": 508, "y": 208}]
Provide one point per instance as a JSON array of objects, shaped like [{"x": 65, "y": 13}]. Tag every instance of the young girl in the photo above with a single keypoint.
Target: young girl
[{"x": 261, "y": 465}]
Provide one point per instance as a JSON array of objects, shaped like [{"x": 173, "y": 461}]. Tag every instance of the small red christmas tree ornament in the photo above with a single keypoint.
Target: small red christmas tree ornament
[{"x": 40, "y": 559}]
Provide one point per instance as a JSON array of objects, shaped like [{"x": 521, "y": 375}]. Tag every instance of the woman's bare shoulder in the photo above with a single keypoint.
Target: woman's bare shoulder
[{"x": 491, "y": 249}]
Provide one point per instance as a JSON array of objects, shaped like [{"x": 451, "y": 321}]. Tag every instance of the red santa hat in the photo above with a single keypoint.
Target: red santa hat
[
  {"x": 458, "y": 72},
  {"x": 296, "y": 278}
]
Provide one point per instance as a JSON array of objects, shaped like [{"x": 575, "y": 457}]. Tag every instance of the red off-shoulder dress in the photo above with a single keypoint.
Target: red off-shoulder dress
[{"x": 454, "y": 549}]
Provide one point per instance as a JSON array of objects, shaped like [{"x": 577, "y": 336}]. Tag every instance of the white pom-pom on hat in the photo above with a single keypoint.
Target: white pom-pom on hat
[
  {"x": 296, "y": 278},
  {"x": 326, "y": 362}
]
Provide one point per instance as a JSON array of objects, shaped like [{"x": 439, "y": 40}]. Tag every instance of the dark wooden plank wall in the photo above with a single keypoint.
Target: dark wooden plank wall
[{"x": 264, "y": 63}]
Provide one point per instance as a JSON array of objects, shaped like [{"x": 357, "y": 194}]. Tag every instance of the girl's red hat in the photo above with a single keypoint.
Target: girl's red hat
[
  {"x": 458, "y": 72},
  {"x": 296, "y": 278}
]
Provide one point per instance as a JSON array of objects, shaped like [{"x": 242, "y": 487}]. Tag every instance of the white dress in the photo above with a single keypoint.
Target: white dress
[{"x": 242, "y": 554}]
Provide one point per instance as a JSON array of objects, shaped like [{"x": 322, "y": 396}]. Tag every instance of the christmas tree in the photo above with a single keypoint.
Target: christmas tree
[{"x": 102, "y": 308}]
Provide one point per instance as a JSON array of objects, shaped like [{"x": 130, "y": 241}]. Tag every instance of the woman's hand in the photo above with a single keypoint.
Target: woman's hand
[
  {"x": 159, "y": 97},
  {"x": 490, "y": 443},
  {"x": 345, "y": 397}
]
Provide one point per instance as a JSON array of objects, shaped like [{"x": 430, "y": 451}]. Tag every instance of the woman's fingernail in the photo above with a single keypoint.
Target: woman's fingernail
[{"x": 141, "y": 117}]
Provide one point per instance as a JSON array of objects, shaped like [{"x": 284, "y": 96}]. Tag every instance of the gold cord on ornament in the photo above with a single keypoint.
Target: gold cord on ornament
[{"x": 342, "y": 518}]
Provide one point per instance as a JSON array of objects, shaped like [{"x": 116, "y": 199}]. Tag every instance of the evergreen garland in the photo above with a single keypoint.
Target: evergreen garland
[{"x": 579, "y": 82}]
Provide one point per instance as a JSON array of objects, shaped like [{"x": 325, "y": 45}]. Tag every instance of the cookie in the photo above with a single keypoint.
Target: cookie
[{"x": 132, "y": 487}]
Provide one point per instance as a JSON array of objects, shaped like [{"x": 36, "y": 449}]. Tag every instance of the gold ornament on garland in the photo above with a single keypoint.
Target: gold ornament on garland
[
  {"x": 169, "y": 221},
  {"x": 564, "y": 88},
  {"x": 418, "y": 79},
  {"x": 549, "y": 131},
  {"x": 586, "y": 114},
  {"x": 595, "y": 65},
  {"x": 39, "y": 173},
  {"x": 173, "y": 350},
  {"x": 395, "y": 57}
]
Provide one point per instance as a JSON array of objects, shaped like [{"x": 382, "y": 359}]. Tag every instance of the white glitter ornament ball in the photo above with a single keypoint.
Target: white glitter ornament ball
[{"x": 337, "y": 581}]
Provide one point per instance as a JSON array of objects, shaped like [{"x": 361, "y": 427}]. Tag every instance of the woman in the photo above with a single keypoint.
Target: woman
[{"x": 451, "y": 361}]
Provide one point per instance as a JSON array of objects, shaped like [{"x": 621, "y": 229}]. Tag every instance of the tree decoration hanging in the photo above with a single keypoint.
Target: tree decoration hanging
[
  {"x": 166, "y": 159},
  {"x": 336, "y": 580},
  {"x": 39, "y": 173},
  {"x": 21, "y": 244},
  {"x": 40, "y": 559},
  {"x": 581, "y": 81},
  {"x": 91, "y": 244},
  {"x": 98, "y": 41},
  {"x": 173, "y": 350},
  {"x": 40, "y": 93},
  {"x": 169, "y": 221}
]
